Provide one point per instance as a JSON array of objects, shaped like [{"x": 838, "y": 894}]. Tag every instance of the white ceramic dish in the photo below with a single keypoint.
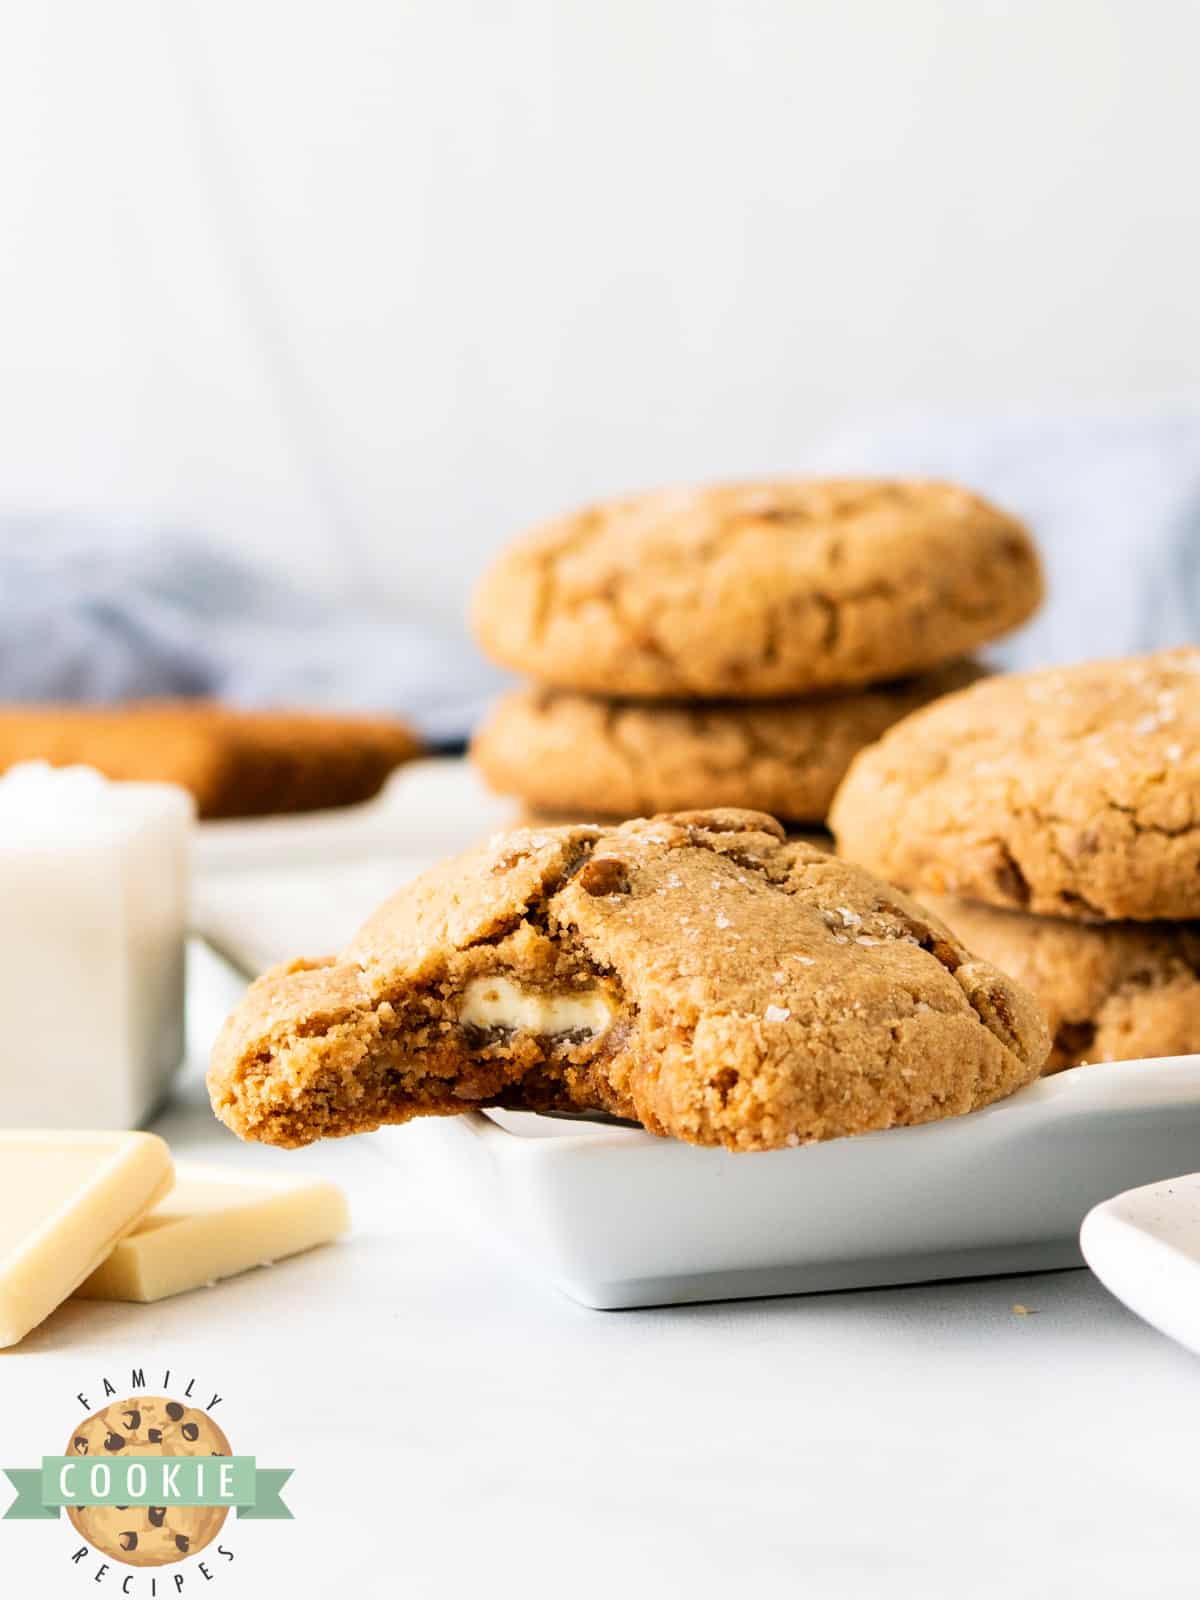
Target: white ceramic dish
[
  {"x": 1144, "y": 1246},
  {"x": 615, "y": 1217},
  {"x": 429, "y": 808}
]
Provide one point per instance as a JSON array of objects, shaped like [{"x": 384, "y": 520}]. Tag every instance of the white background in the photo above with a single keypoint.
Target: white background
[
  {"x": 362, "y": 286},
  {"x": 366, "y": 286}
]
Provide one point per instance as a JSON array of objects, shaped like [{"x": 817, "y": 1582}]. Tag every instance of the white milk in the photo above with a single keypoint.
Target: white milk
[{"x": 93, "y": 917}]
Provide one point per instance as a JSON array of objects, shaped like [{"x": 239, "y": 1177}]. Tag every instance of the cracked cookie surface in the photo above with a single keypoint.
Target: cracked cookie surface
[
  {"x": 696, "y": 972},
  {"x": 526, "y": 817},
  {"x": 1073, "y": 792},
  {"x": 562, "y": 752},
  {"x": 758, "y": 590},
  {"x": 1115, "y": 991}
]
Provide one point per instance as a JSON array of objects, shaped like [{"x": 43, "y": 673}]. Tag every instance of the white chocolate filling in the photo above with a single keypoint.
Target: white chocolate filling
[{"x": 500, "y": 1003}]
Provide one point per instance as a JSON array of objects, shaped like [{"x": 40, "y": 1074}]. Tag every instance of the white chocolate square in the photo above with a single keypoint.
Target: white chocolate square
[
  {"x": 214, "y": 1224},
  {"x": 67, "y": 1199},
  {"x": 501, "y": 1003}
]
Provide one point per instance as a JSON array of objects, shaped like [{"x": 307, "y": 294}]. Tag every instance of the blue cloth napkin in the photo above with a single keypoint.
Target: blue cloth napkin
[{"x": 88, "y": 616}]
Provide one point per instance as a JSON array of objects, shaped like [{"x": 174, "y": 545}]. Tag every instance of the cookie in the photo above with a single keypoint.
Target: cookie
[
  {"x": 819, "y": 838},
  {"x": 1112, "y": 992},
  {"x": 1072, "y": 793},
  {"x": 236, "y": 763},
  {"x": 146, "y": 1536},
  {"x": 695, "y": 972},
  {"x": 758, "y": 590},
  {"x": 564, "y": 752}
]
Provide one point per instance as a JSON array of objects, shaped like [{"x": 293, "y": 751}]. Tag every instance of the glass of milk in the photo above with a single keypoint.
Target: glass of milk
[{"x": 94, "y": 881}]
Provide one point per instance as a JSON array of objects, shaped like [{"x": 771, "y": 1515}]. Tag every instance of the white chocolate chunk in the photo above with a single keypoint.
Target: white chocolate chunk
[
  {"x": 68, "y": 1198},
  {"x": 215, "y": 1224},
  {"x": 501, "y": 1003}
]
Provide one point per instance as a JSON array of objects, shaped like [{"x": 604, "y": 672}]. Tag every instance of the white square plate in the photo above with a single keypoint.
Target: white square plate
[{"x": 615, "y": 1217}]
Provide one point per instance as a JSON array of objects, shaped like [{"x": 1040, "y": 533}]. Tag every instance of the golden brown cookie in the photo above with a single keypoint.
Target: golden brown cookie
[
  {"x": 1116, "y": 991},
  {"x": 236, "y": 763},
  {"x": 572, "y": 753},
  {"x": 146, "y": 1425},
  {"x": 696, "y": 972},
  {"x": 819, "y": 838},
  {"x": 758, "y": 590},
  {"x": 1073, "y": 792}
]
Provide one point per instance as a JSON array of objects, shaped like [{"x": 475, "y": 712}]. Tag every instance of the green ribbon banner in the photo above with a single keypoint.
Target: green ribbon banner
[{"x": 236, "y": 1481}]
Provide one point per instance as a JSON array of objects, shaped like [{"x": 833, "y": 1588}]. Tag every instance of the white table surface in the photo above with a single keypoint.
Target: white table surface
[{"x": 457, "y": 1427}]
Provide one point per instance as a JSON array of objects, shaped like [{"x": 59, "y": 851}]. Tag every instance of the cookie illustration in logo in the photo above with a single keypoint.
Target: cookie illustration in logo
[{"x": 148, "y": 1536}]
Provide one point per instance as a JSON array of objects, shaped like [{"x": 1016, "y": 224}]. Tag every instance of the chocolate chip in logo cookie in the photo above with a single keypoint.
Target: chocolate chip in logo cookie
[
  {"x": 81, "y": 1445},
  {"x": 133, "y": 1421},
  {"x": 156, "y": 1515},
  {"x": 128, "y": 1539},
  {"x": 190, "y": 1432},
  {"x": 113, "y": 1442},
  {"x": 155, "y": 1436},
  {"x": 174, "y": 1410},
  {"x": 182, "y": 1542}
]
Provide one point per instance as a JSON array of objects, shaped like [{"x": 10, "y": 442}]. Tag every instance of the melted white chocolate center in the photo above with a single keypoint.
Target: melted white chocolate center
[{"x": 501, "y": 1003}]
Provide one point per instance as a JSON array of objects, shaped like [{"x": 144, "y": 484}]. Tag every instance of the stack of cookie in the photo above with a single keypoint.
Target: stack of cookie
[
  {"x": 1053, "y": 820},
  {"x": 737, "y": 646}
]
